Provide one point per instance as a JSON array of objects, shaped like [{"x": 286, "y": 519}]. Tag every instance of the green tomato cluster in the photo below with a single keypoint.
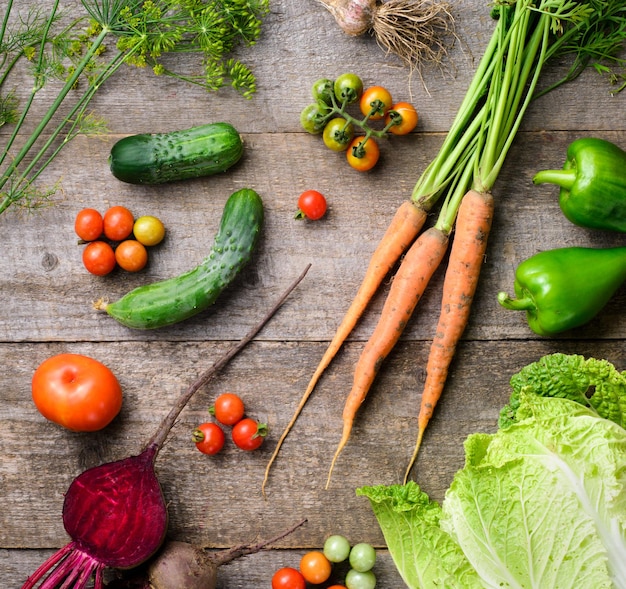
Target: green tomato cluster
[
  {"x": 361, "y": 557},
  {"x": 342, "y": 131}
]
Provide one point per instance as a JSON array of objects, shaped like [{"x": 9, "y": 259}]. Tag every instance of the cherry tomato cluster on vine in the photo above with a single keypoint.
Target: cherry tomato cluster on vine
[
  {"x": 229, "y": 410},
  {"x": 329, "y": 116},
  {"x": 116, "y": 239},
  {"x": 317, "y": 567}
]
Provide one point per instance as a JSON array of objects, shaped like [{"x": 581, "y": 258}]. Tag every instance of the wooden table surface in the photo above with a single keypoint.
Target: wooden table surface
[{"x": 216, "y": 501}]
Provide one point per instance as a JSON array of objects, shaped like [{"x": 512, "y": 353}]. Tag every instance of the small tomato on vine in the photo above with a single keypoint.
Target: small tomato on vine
[
  {"x": 375, "y": 102},
  {"x": 363, "y": 156},
  {"x": 404, "y": 116},
  {"x": 337, "y": 134}
]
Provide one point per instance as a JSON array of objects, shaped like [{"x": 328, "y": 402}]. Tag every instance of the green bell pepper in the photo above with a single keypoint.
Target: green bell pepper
[
  {"x": 593, "y": 184},
  {"x": 564, "y": 288}
]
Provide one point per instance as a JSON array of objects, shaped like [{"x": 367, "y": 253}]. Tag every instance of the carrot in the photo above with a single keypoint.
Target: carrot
[
  {"x": 409, "y": 283},
  {"x": 473, "y": 224},
  {"x": 404, "y": 227}
]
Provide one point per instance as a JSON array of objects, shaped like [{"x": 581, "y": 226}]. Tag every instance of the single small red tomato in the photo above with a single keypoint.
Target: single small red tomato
[
  {"x": 404, "y": 116},
  {"x": 209, "y": 438},
  {"x": 315, "y": 567},
  {"x": 363, "y": 156},
  {"x": 249, "y": 434},
  {"x": 288, "y": 578},
  {"x": 99, "y": 258},
  {"x": 76, "y": 392},
  {"x": 312, "y": 205},
  {"x": 88, "y": 224},
  {"x": 228, "y": 409},
  {"x": 131, "y": 255},
  {"x": 118, "y": 223},
  {"x": 375, "y": 102}
]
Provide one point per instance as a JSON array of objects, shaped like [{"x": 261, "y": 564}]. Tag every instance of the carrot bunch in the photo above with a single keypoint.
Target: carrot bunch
[{"x": 527, "y": 34}]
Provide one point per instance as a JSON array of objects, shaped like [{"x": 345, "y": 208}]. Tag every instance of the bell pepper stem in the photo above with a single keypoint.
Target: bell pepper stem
[
  {"x": 524, "y": 304},
  {"x": 563, "y": 178}
]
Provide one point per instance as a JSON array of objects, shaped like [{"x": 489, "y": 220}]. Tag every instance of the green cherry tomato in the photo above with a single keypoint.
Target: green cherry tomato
[
  {"x": 313, "y": 119},
  {"x": 348, "y": 88},
  {"x": 322, "y": 90},
  {"x": 336, "y": 548},
  {"x": 362, "y": 557},
  {"x": 357, "y": 580},
  {"x": 338, "y": 134}
]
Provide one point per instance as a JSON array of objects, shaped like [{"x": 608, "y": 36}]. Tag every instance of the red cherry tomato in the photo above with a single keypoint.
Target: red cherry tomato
[
  {"x": 375, "y": 99},
  {"x": 209, "y": 438},
  {"x": 288, "y": 578},
  {"x": 315, "y": 567},
  {"x": 405, "y": 116},
  {"x": 363, "y": 156},
  {"x": 88, "y": 224},
  {"x": 131, "y": 255},
  {"x": 77, "y": 392},
  {"x": 228, "y": 409},
  {"x": 118, "y": 223},
  {"x": 99, "y": 258},
  {"x": 249, "y": 434},
  {"x": 312, "y": 205}
]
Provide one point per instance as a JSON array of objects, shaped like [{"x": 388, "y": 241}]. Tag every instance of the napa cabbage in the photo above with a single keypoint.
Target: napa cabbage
[{"x": 540, "y": 504}]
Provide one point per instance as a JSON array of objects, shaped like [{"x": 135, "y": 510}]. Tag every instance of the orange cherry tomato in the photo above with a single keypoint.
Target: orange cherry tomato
[
  {"x": 406, "y": 117},
  {"x": 99, "y": 258},
  {"x": 376, "y": 99},
  {"x": 131, "y": 255},
  {"x": 88, "y": 224},
  {"x": 76, "y": 392},
  {"x": 118, "y": 223},
  {"x": 363, "y": 156},
  {"x": 315, "y": 567}
]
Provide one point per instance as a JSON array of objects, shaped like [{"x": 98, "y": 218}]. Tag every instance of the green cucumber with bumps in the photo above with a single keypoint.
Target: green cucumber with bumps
[
  {"x": 180, "y": 155},
  {"x": 173, "y": 300}
]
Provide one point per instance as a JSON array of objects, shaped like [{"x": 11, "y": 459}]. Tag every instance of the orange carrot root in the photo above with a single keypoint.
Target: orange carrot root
[
  {"x": 409, "y": 283},
  {"x": 402, "y": 231},
  {"x": 469, "y": 245}
]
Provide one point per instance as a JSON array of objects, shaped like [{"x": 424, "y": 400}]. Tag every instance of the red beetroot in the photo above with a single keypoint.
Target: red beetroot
[{"x": 115, "y": 513}]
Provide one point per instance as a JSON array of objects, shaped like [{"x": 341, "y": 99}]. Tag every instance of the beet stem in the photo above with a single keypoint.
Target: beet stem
[
  {"x": 166, "y": 425},
  {"x": 225, "y": 556}
]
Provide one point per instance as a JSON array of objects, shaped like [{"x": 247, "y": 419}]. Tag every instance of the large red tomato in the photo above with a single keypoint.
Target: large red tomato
[{"x": 76, "y": 392}]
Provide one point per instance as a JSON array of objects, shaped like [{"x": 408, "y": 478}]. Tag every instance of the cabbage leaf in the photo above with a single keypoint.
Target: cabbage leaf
[{"x": 539, "y": 504}]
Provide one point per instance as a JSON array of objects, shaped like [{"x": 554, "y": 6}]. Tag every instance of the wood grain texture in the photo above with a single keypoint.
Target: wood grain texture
[{"x": 47, "y": 300}]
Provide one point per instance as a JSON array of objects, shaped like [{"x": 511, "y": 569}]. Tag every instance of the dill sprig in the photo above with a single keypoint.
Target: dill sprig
[{"x": 144, "y": 33}]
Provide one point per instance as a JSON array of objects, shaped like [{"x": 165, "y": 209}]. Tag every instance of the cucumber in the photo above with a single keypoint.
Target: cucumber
[
  {"x": 166, "y": 157},
  {"x": 176, "y": 299}
]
